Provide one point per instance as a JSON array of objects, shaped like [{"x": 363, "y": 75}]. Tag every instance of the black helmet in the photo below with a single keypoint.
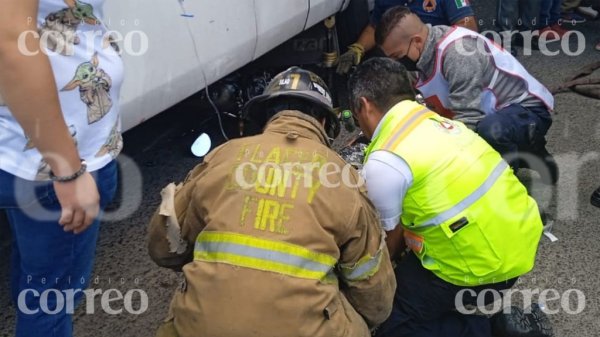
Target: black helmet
[{"x": 299, "y": 83}]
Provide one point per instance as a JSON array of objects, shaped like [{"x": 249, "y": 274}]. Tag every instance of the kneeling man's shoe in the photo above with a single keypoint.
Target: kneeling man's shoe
[{"x": 516, "y": 323}]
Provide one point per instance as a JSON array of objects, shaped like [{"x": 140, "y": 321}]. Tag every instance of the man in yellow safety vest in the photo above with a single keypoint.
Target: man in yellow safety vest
[{"x": 446, "y": 194}]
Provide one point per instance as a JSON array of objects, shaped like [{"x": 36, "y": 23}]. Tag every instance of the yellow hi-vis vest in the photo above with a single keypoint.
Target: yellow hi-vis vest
[{"x": 466, "y": 216}]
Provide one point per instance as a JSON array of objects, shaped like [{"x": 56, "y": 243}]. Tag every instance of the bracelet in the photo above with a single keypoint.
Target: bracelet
[{"x": 71, "y": 177}]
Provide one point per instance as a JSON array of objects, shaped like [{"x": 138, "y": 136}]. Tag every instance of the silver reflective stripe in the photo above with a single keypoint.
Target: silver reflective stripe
[
  {"x": 366, "y": 267},
  {"x": 365, "y": 270},
  {"x": 262, "y": 254},
  {"x": 468, "y": 201},
  {"x": 407, "y": 125}
]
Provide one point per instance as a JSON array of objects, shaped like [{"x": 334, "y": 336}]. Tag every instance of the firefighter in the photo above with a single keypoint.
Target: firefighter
[
  {"x": 465, "y": 76},
  {"x": 445, "y": 193},
  {"x": 434, "y": 12},
  {"x": 273, "y": 232}
]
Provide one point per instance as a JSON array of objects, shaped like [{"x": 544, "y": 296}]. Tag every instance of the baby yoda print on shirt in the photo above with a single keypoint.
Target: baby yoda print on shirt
[
  {"x": 88, "y": 73},
  {"x": 94, "y": 87},
  {"x": 113, "y": 145},
  {"x": 60, "y": 28}
]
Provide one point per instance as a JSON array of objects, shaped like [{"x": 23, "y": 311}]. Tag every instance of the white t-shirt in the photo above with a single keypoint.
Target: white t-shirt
[
  {"x": 387, "y": 177},
  {"x": 88, "y": 73}
]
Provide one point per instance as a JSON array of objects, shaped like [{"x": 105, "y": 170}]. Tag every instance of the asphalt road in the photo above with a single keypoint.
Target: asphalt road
[{"x": 158, "y": 152}]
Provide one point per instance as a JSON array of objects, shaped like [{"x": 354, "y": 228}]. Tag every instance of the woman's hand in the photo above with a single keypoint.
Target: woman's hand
[
  {"x": 28, "y": 88},
  {"x": 80, "y": 203}
]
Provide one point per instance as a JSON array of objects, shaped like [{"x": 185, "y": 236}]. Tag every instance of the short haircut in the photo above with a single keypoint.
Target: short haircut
[
  {"x": 389, "y": 20},
  {"x": 382, "y": 81}
]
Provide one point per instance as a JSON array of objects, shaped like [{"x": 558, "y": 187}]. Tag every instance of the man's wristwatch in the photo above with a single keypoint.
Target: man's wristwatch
[{"x": 66, "y": 179}]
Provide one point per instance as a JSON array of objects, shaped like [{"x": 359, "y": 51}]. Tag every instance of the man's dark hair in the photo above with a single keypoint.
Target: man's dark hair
[
  {"x": 389, "y": 20},
  {"x": 382, "y": 81}
]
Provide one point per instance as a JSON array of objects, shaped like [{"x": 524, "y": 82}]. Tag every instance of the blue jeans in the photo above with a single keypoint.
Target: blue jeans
[
  {"x": 45, "y": 259},
  {"x": 550, "y": 13}
]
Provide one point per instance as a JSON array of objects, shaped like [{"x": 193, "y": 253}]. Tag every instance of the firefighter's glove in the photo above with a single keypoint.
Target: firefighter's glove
[{"x": 350, "y": 58}]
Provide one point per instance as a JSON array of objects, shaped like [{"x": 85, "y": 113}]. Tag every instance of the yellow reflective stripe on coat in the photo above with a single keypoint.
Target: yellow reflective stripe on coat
[
  {"x": 262, "y": 254},
  {"x": 366, "y": 267}
]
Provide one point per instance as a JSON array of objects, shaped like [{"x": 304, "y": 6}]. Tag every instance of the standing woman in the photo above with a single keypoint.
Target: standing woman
[{"x": 59, "y": 136}]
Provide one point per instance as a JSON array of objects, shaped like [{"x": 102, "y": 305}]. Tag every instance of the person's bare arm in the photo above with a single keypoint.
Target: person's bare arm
[
  {"x": 28, "y": 88},
  {"x": 367, "y": 38},
  {"x": 395, "y": 241},
  {"x": 468, "y": 22}
]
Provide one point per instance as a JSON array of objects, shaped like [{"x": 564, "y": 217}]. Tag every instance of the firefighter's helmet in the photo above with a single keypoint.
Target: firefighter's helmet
[{"x": 299, "y": 83}]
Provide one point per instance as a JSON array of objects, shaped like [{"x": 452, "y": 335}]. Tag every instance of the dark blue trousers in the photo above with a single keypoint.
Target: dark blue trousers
[
  {"x": 424, "y": 305},
  {"x": 516, "y": 129}
]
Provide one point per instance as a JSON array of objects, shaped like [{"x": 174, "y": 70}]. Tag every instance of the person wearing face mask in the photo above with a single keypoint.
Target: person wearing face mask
[
  {"x": 464, "y": 76},
  {"x": 434, "y": 12}
]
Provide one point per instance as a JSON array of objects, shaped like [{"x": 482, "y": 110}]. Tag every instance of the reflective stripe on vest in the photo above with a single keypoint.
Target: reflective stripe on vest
[
  {"x": 436, "y": 92},
  {"x": 403, "y": 129},
  {"x": 458, "y": 176},
  {"x": 406, "y": 125},
  {"x": 262, "y": 254},
  {"x": 469, "y": 200}
]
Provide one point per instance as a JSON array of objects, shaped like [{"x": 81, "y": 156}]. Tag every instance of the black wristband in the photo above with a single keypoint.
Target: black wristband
[{"x": 71, "y": 177}]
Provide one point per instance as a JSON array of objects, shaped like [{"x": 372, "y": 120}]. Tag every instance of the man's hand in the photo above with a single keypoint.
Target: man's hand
[
  {"x": 395, "y": 241},
  {"x": 80, "y": 203},
  {"x": 350, "y": 58}
]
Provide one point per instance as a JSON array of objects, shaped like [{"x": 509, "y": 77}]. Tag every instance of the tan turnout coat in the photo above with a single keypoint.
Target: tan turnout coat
[{"x": 255, "y": 250}]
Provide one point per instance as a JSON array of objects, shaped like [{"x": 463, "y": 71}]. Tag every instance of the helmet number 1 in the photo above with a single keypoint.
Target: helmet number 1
[{"x": 295, "y": 81}]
